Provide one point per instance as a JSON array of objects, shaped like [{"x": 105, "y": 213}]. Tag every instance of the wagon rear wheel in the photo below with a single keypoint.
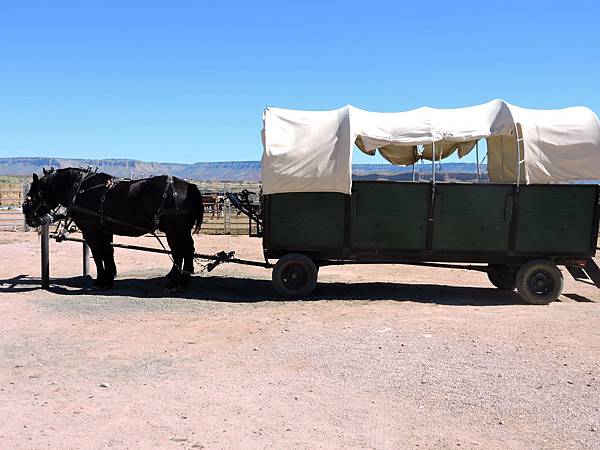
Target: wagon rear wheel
[
  {"x": 295, "y": 275},
  {"x": 502, "y": 276},
  {"x": 539, "y": 282}
]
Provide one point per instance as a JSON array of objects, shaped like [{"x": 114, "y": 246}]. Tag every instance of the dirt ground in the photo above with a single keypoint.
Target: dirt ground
[{"x": 380, "y": 357}]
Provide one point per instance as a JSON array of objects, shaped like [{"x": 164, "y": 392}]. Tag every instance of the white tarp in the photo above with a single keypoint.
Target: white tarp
[{"x": 311, "y": 151}]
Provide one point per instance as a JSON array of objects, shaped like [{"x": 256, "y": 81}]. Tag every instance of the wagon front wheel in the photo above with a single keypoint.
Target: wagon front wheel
[
  {"x": 295, "y": 275},
  {"x": 539, "y": 282}
]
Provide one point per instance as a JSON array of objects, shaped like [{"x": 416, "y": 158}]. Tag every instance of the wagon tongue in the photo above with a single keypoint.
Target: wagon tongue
[
  {"x": 219, "y": 258},
  {"x": 588, "y": 271}
]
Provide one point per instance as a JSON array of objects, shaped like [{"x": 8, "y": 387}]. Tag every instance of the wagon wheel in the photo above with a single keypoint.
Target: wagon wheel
[
  {"x": 539, "y": 282},
  {"x": 295, "y": 275},
  {"x": 502, "y": 276}
]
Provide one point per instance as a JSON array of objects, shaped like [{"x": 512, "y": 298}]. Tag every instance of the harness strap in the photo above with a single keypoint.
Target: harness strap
[
  {"x": 69, "y": 202},
  {"x": 133, "y": 227},
  {"x": 159, "y": 212},
  {"x": 156, "y": 219},
  {"x": 91, "y": 188},
  {"x": 109, "y": 185}
]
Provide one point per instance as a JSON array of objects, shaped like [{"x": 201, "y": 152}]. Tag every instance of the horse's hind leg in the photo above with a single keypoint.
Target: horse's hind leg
[
  {"x": 110, "y": 267},
  {"x": 188, "y": 260},
  {"x": 173, "y": 277},
  {"x": 98, "y": 254}
]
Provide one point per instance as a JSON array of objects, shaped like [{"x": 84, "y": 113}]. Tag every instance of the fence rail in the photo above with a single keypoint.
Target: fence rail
[
  {"x": 12, "y": 220},
  {"x": 226, "y": 221}
]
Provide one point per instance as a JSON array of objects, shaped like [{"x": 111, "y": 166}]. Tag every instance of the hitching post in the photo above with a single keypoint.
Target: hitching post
[
  {"x": 23, "y": 197},
  {"x": 44, "y": 235},
  {"x": 86, "y": 259}
]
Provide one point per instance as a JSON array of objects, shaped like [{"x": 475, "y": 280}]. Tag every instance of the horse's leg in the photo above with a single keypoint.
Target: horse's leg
[
  {"x": 110, "y": 268},
  {"x": 175, "y": 245},
  {"x": 188, "y": 259},
  {"x": 97, "y": 253},
  {"x": 173, "y": 273}
]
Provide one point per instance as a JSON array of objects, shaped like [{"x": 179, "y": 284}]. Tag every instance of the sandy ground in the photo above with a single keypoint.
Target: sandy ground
[{"x": 380, "y": 357}]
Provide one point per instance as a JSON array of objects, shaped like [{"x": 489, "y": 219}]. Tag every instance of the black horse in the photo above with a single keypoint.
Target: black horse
[{"x": 102, "y": 206}]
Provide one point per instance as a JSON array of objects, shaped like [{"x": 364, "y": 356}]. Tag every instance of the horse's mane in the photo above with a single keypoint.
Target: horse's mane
[
  {"x": 79, "y": 170},
  {"x": 66, "y": 169}
]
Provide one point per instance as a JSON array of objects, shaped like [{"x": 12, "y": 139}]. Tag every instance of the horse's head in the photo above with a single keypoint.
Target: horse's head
[{"x": 39, "y": 200}]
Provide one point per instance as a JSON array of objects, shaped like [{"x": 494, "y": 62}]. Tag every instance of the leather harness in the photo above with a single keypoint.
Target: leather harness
[{"x": 70, "y": 202}]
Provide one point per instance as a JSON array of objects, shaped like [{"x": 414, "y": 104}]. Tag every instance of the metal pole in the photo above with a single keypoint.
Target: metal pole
[
  {"x": 86, "y": 259},
  {"x": 519, "y": 140},
  {"x": 477, "y": 156},
  {"x": 433, "y": 162},
  {"x": 413, "y": 171},
  {"x": 227, "y": 215},
  {"x": 25, "y": 226},
  {"x": 44, "y": 236}
]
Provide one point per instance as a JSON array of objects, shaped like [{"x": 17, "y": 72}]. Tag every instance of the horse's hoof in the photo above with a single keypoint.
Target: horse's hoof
[
  {"x": 184, "y": 283},
  {"x": 171, "y": 283}
]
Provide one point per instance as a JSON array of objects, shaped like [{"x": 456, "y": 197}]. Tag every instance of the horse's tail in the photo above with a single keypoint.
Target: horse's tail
[{"x": 199, "y": 207}]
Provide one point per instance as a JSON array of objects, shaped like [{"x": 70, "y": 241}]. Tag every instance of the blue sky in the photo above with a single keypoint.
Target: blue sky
[{"x": 186, "y": 81}]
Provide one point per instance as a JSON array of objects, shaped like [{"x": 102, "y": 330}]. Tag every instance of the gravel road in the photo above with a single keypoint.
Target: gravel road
[{"x": 380, "y": 357}]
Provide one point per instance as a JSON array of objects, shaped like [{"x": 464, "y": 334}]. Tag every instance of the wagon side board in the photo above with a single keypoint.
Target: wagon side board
[{"x": 453, "y": 222}]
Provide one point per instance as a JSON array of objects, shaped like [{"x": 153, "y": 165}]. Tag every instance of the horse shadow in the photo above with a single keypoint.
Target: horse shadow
[{"x": 247, "y": 290}]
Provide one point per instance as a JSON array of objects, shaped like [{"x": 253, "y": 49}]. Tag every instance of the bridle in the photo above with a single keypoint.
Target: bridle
[
  {"x": 67, "y": 202},
  {"x": 33, "y": 208}
]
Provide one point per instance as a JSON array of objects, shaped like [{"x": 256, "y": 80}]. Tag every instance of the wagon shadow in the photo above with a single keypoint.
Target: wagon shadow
[{"x": 245, "y": 290}]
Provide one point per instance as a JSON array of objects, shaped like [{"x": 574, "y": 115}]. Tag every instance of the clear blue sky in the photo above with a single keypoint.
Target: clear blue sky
[{"x": 186, "y": 81}]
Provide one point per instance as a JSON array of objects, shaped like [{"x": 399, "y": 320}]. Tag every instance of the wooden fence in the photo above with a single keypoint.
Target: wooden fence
[
  {"x": 11, "y": 199},
  {"x": 12, "y": 194},
  {"x": 226, "y": 221}
]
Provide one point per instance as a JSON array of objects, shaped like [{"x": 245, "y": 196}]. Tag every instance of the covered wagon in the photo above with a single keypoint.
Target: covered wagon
[{"x": 528, "y": 219}]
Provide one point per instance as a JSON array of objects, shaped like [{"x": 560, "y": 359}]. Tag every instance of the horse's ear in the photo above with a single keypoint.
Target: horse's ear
[
  {"x": 35, "y": 178},
  {"x": 45, "y": 171},
  {"x": 51, "y": 169}
]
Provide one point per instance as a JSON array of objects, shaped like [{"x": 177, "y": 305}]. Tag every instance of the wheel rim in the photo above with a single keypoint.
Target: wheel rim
[
  {"x": 541, "y": 283},
  {"x": 294, "y": 277}
]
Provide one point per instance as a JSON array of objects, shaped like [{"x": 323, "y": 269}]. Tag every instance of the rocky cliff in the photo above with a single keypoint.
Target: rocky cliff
[{"x": 212, "y": 171}]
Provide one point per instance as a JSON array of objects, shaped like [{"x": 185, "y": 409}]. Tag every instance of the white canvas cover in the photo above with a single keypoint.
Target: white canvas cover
[{"x": 311, "y": 151}]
